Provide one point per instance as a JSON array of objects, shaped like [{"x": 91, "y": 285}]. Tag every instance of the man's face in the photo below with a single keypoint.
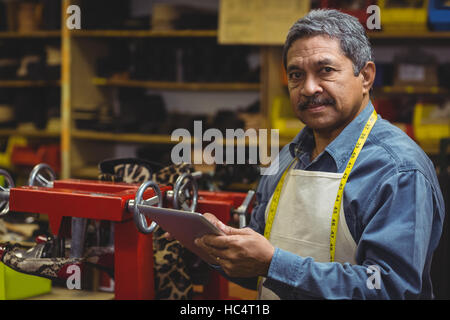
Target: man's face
[{"x": 324, "y": 92}]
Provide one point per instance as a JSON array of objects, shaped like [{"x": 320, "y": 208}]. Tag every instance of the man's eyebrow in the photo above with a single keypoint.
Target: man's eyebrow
[
  {"x": 324, "y": 61},
  {"x": 321, "y": 62},
  {"x": 291, "y": 68}
]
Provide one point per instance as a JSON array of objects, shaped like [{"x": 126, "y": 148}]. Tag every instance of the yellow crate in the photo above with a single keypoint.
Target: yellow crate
[
  {"x": 16, "y": 285},
  {"x": 428, "y": 132},
  {"x": 407, "y": 19},
  {"x": 5, "y": 157},
  {"x": 283, "y": 118}
]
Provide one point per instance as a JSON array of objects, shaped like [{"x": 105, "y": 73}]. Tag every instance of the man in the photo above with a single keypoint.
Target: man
[{"x": 372, "y": 240}]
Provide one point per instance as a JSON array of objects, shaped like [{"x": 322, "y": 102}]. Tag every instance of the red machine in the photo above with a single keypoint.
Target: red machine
[
  {"x": 221, "y": 204},
  {"x": 108, "y": 201}
]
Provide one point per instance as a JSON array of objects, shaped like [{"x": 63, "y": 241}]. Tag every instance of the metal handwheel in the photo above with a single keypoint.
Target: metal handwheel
[
  {"x": 139, "y": 218},
  {"x": 4, "y": 191},
  {"x": 185, "y": 190},
  {"x": 42, "y": 175}
]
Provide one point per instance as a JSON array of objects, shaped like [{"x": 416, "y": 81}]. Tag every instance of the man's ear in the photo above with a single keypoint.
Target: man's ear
[{"x": 368, "y": 75}]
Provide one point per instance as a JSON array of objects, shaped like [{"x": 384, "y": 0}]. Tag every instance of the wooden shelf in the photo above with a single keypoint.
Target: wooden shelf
[
  {"x": 28, "y": 83},
  {"x": 410, "y": 90},
  {"x": 123, "y": 137},
  {"x": 30, "y": 133},
  {"x": 213, "y": 33},
  {"x": 143, "y": 33},
  {"x": 197, "y": 33},
  {"x": 33, "y": 34},
  {"x": 168, "y": 85},
  {"x": 145, "y": 138},
  {"x": 409, "y": 35}
]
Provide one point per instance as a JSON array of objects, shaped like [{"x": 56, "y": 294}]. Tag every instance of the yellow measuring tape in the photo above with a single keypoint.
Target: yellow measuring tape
[
  {"x": 337, "y": 204},
  {"x": 274, "y": 202}
]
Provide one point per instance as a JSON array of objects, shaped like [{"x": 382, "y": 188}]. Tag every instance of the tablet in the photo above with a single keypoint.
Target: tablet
[{"x": 184, "y": 226}]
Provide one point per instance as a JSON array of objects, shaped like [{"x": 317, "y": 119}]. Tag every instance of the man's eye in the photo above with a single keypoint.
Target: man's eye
[
  {"x": 295, "y": 75},
  {"x": 327, "y": 69}
]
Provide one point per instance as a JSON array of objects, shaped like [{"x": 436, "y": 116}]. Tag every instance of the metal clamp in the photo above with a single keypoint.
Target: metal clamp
[
  {"x": 4, "y": 192},
  {"x": 184, "y": 185},
  {"x": 139, "y": 218},
  {"x": 42, "y": 175}
]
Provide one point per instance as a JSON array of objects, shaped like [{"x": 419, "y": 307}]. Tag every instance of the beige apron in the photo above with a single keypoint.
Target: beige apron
[{"x": 303, "y": 220}]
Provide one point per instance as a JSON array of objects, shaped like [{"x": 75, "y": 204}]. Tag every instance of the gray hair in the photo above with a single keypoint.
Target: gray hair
[{"x": 337, "y": 25}]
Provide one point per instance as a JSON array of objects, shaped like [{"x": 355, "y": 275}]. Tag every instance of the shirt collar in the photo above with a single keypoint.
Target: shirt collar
[
  {"x": 340, "y": 148},
  {"x": 303, "y": 142}
]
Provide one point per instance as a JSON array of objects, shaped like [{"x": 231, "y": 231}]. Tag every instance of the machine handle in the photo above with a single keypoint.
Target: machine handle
[
  {"x": 182, "y": 192},
  {"x": 4, "y": 192},
  {"x": 139, "y": 218},
  {"x": 37, "y": 177},
  {"x": 243, "y": 208}
]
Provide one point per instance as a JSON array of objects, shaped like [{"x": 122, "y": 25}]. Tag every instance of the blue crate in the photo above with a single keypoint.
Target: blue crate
[{"x": 438, "y": 15}]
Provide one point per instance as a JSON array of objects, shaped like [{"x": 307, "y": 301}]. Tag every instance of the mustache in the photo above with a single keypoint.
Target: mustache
[{"x": 315, "y": 101}]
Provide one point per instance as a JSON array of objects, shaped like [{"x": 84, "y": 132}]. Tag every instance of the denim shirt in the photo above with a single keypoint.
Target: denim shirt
[{"x": 393, "y": 207}]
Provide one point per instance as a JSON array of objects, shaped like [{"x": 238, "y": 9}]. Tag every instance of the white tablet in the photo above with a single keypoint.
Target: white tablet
[{"x": 184, "y": 226}]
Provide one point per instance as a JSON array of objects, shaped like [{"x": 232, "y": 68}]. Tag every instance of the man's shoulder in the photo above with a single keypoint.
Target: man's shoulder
[{"x": 390, "y": 146}]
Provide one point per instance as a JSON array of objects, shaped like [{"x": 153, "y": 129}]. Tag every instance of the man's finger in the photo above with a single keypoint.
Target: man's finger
[
  {"x": 219, "y": 224},
  {"x": 168, "y": 236},
  {"x": 213, "y": 252},
  {"x": 218, "y": 242},
  {"x": 236, "y": 231}
]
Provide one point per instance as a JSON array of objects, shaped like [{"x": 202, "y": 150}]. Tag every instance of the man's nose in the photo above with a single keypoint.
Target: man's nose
[{"x": 311, "y": 86}]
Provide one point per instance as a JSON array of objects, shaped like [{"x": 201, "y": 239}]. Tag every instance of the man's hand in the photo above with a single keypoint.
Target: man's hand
[{"x": 240, "y": 252}]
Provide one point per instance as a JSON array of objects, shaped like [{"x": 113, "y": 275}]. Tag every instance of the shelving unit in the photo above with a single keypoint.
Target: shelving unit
[
  {"x": 268, "y": 87},
  {"x": 81, "y": 86},
  {"x": 15, "y": 88}
]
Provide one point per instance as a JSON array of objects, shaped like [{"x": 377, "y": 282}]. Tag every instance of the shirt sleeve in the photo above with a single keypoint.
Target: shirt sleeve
[
  {"x": 257, "y": 218},
  {"x": 401, "y": 228}
]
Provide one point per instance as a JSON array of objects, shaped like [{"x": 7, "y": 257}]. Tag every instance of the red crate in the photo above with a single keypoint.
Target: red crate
[
  {"x": 29, "y": 156},
  {"x": 360, "y": 13}
]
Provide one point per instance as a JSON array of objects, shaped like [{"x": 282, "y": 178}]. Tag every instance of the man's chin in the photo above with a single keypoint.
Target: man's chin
[{"x": 317, "y": 123}]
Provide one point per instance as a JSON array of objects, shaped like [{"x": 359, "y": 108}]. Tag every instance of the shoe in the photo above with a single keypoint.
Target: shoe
[
  {"x": 33, "y": 261},
  {"x": 38, "y": 260}
]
